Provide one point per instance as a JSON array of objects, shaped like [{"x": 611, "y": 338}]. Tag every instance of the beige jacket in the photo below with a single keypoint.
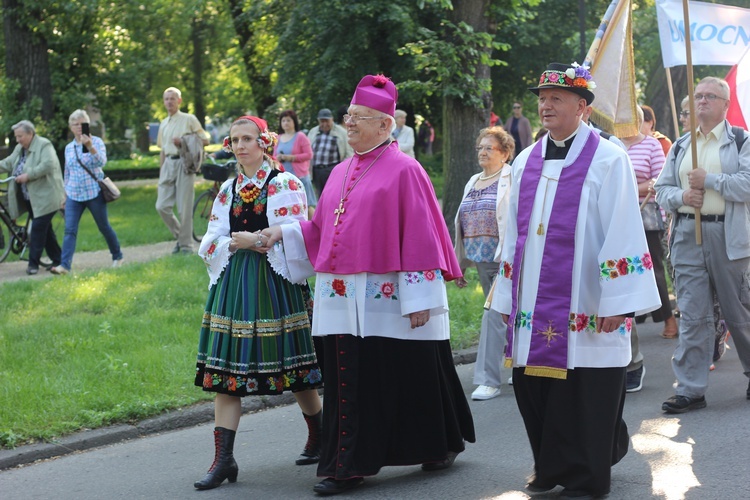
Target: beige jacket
[{"x": 46, "y": 191}]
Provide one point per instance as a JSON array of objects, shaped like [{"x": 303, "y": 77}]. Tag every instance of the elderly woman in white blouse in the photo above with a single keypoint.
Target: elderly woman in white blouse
[{"x": 480, "y": 229}]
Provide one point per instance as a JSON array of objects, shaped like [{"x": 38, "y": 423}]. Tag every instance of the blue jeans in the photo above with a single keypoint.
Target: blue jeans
[{"x": 73, "y": 212}]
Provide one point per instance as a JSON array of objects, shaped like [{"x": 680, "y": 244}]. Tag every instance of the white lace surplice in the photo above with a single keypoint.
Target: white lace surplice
[{"x": 367, "y": 304}]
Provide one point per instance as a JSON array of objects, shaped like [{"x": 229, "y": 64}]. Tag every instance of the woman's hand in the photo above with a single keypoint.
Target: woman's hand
[
  {"x": 460, "y": 282},
  {"x": 86, "y": 141},
  {"x": 271, "y": 235},
  {"x": 419, "y": 318},
  {"x": 247, "y": 241},
  {"x": 22, "y": 179}
]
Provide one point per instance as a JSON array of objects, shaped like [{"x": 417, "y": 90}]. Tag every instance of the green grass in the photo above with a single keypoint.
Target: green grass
[
  {"x": 135, "y": 162},
  {"x": 96, "y": 348}
]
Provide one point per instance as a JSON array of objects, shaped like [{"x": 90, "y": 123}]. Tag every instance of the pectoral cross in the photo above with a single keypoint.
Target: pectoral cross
[{"x": 338, "y": 212}]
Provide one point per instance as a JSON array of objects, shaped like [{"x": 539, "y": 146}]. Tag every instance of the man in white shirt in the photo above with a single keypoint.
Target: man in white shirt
[{"x": 176, "y": 184}]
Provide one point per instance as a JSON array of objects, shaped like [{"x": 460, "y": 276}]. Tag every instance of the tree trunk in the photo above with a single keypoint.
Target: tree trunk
[
  {"x": 259, "y": 82},
  {"x": 197, "y": 34},
  {"x": 462, "y": 122},
  {"x": 26, "y": 60}
]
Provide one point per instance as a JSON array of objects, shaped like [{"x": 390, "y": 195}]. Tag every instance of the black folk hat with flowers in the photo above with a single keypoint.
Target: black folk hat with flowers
[{"x": 572, "y": 77}]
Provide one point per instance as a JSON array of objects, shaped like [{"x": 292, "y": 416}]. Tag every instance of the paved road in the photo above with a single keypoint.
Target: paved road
[{"x": 700, "y": 455}]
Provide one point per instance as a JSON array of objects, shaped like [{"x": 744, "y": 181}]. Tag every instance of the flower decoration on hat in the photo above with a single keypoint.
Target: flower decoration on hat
[
  {"x": 580, "y": 76},
  {"x": 226, "y": 146}
]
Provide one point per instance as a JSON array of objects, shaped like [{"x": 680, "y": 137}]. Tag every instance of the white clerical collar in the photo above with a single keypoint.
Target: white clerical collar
[
  {"x": 387, "y": 141},
  {"x": 561, "y": 144}
]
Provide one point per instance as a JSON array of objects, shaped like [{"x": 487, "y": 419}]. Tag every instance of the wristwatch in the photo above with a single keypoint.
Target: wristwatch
[{"x": 259, "y": 243}]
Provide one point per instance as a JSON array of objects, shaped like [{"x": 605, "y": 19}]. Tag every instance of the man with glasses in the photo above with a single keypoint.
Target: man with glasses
[
  {"x": 381, "y": 253},
  {"x": 329, "y": 147},
  {"x": 519, "y": 127},
  {"x": 720, "y": 188}
]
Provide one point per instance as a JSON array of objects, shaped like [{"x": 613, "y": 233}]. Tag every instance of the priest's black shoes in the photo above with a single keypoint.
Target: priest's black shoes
[
  {"x": 443, "y": 464},
  {"x": 331, "y": 486}
]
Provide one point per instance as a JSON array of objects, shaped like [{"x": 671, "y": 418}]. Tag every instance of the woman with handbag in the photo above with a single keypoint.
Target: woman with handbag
[
  {"x": 255, "y": 337},
  {"x": 647, "y": 156},
  {"x": 85, "y": 156}
]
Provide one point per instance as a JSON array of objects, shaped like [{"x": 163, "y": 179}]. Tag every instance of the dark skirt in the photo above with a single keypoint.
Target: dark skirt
[
  {"x": 255, "y": 338},
  {"x": 575, "y": 426},
  {"x": 390, "y": 402}
]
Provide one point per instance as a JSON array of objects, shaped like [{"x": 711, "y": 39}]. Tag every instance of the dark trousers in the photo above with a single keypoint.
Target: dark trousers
[
  {"x": 42, "y": 238},
  {"x": 653, "y": 238},
  {"x": 575, "y": 426},
  {"x": 321, "y": 173}
]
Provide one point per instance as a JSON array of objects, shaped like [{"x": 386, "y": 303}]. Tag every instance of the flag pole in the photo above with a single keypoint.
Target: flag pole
[
  {"x": 673, "y": 104},
  {"x": 691, "y": 97}
]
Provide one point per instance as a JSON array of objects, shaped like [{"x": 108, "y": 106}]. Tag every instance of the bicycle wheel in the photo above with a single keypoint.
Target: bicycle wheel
[
  {"x": 5, "y": 237},
  {"x": 201, "y": 213}
]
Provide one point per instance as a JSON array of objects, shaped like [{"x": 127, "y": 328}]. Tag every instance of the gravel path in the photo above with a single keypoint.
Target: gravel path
[{"x": 101, "y": 259}]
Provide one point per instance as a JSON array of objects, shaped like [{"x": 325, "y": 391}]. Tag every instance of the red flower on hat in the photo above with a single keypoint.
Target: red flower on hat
[{"x": 379, "y": 81}]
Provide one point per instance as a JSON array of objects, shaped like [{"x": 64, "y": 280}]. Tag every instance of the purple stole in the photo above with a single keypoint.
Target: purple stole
[{"x": 548, "y": 352}]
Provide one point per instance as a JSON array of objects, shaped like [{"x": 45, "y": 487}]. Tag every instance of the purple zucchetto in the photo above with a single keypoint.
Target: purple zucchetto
[{"x": 377, "y": 92}]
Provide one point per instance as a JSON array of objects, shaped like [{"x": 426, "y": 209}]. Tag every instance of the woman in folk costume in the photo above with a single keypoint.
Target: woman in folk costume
[
  {"x": 574, "y": 266},
  {"x": 381, "y": 251},
  {"x": 255, "y": 338}
]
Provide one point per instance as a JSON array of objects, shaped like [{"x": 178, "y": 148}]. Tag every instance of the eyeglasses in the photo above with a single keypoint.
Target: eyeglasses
[
  {"x": 709, "y": 97},
  {"x": 516, "y": 107},
  {"x": 486, "y": 148},
  {"x": 684, "y": 113},
  {"x": 355, "y": 119}
]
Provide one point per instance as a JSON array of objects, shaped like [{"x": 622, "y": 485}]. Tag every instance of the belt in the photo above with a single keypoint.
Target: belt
[
  {"x": 174, "y": 157},
  {"x": 704, "y": 218}
]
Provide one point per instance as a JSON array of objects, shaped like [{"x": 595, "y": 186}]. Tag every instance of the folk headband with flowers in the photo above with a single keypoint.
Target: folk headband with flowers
[
  {"x": 573, "y": 77},
  {"x": 266, "y": 139}
]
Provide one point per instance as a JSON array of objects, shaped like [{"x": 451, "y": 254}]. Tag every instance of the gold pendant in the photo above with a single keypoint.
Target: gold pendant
[{"x": 540, "y": 229}]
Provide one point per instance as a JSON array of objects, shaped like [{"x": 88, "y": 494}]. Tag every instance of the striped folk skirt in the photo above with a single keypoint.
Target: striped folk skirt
[{"x": 255, "y": 338}]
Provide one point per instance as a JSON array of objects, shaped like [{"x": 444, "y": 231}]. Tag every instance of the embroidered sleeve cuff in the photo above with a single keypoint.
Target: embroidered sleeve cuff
[{"x": 421, "y": 291}]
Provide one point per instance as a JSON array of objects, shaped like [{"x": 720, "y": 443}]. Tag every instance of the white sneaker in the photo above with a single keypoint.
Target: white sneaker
[
  {"x": 59, "y": 270},
  {"x": 510, "y": 380},
  {"x": 117, "y": 263},
  {"x": 484, "y": 392}
]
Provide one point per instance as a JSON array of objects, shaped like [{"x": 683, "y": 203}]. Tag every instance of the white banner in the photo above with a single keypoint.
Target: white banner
[{"x": 719, "y": 34}]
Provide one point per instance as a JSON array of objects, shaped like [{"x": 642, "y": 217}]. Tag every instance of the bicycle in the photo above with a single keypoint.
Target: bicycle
[
  {"x": 217, "y": 172},
  {"x": 14, "y": 237}
]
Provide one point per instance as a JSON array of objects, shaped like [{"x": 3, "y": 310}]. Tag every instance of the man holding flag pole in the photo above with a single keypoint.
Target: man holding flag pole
[{"x": 710, "y": 188}]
